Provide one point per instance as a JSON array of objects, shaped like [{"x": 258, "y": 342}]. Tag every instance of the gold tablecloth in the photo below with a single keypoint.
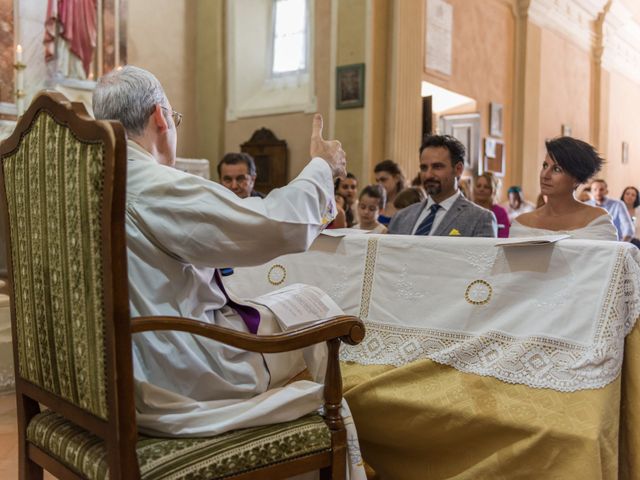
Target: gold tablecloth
[{"x": 424, "y": 420}]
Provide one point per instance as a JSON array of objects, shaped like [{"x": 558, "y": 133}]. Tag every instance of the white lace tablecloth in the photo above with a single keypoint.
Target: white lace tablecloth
[{"x": 551, "y": 316}]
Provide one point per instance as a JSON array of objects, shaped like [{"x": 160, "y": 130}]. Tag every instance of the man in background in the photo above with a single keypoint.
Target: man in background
[
  {"x": 445, "y": 212},
  {"x": 237, "y": 172},
  {"x": 616, "y": 208}
]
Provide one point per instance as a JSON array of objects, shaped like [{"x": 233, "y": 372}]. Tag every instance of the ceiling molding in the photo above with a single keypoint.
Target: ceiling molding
[
  {"x": 573, "y": 19},
  {"x": 621, "y": 42}
]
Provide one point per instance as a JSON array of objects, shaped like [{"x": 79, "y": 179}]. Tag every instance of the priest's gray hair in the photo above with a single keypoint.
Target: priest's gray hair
[{"x": 129, "y": 95}]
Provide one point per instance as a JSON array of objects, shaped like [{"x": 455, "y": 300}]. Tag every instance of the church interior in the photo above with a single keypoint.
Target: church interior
[{"x": 479, "y": 359}]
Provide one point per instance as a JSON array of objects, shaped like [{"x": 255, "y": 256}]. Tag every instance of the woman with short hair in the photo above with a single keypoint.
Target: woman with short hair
[{"x": 569, "y": 163}]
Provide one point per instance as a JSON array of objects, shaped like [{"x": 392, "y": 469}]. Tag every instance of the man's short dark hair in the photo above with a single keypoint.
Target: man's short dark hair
[
  {"x": 577, "y": 158},
  {"x": 236, "y": 158},
  {"x": 453, "y": 145}
]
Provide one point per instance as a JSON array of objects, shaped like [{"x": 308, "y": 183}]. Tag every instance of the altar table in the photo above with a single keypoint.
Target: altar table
[{"x": 483, "y": 361}]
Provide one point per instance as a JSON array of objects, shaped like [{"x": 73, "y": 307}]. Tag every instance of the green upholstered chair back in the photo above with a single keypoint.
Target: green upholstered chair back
[{"x": 66, "y": 253}]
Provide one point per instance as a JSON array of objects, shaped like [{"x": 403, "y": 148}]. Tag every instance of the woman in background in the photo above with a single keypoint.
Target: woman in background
[
  {"x": 631, "y": 198},
  {"x": 485, "y": 189},
  {"x": 348, "y": 188},
  {"x": 390, "y": 177},
  {"x": 569, "y": 162}
]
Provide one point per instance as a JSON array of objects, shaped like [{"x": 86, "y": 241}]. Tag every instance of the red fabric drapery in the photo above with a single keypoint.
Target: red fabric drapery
[{"x": 77, "y": 21}]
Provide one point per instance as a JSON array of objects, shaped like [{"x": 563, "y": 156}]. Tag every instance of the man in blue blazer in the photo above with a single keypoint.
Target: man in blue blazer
[{"x": 445, "y": 212}]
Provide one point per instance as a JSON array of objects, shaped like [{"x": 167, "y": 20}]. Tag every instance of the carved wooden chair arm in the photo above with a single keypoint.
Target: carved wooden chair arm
[{"x": 347, "y": 328}]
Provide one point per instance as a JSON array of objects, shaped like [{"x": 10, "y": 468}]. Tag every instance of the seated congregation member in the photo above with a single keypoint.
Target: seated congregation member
[
  {"x": 517, "y": 205},
  {"x": 342, "y": 211},
  {"x": 485, "y": 189},
  {"x": 568, "y": 163},
  {"x": 237, "y": 172},
  {"x": 409, "y": 196},
  {"x": 631, "y": 198},
  {"x": 616, "y": 208},
  {"x": 348, "y": 188},
  {"x": 390, "y": 177},
  {"x": 180, "y": 229},
  {"x": 371, "y": 201},
  {"x": 446, "y": 211}
]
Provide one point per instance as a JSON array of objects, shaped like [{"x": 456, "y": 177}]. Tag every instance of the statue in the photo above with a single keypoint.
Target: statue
[{"x": 70, "y": 37}]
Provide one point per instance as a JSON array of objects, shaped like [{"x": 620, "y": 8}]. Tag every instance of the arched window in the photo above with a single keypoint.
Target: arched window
[
  {"x": 270, "y": 57},
  {"x": 290, "y": 37}
]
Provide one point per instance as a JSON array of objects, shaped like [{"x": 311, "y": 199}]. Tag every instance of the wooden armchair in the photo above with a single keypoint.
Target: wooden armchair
[{"x": 62, "y": 200}]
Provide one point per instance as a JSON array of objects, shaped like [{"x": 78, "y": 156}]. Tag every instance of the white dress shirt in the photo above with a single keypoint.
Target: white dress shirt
[{"x": 445, "y": 205}]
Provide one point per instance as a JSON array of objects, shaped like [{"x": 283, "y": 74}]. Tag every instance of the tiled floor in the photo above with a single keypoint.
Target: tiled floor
[{"x": 9, "y": 439}]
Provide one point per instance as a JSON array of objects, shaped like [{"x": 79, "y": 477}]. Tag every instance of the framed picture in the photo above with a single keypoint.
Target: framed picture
[
  {"x": 495, "y": 119},
  {"x": 350, "y": 86},
  {"x": 465, "y": 128},
  {"x": 625, "y": 152},
  {"x": 494, "y": 154}
]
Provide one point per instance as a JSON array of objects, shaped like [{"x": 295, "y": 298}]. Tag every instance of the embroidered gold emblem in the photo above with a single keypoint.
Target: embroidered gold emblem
[
  {"x": 277, "y": 274},
  {"x": 478, "y": 292}
]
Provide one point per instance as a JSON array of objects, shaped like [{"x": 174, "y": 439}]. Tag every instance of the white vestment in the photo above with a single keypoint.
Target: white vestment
[
  {"x": 179, "y": 229},
  {"x": 600, "y": 228}
]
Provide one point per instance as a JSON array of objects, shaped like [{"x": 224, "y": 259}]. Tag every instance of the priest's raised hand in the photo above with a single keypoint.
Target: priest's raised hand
[{"x": 329, "y": 150}]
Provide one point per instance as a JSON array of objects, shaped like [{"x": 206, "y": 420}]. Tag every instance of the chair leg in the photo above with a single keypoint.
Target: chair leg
[
  {"x": 29, "y": 470},
  {"x": 325, "y": 473},
  {"x": 27, "y": 408},
  {"x": 338, "y": 468},
  {"x": 339, "y": 465}
]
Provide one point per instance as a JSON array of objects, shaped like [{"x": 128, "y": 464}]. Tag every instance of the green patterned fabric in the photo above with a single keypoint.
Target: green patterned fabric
[
  {"x": 183, "y": 458},
  {"x": 54, "y": 185}
]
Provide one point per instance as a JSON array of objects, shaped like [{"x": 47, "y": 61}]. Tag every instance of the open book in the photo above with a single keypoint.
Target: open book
[
  {"x": 527, "y": 241},
  {"x": 298, "y": 305}
]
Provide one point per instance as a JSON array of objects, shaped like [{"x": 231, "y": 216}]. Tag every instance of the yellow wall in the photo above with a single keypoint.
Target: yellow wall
[
  {"x": 349, "y": 123},
  {"x": 564, "y": 88},
  {"x": 623, "y": 123},
  {"x": 210, "y": 94},
  {"x": 557, "y": 92},
  {"x": 483, "y": 62},
  {"x": 162, "y": 39}
]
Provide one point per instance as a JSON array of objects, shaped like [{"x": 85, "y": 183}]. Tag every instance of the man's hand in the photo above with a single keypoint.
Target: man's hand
[{"x": 329, "y": 150}]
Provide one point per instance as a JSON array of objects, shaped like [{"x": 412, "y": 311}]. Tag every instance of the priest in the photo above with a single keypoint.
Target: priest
[{"x": 181, "y": 229}]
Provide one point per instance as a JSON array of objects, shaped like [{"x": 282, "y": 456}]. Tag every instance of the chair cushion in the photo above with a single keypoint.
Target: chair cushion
[{"x": 183, "y": 458}]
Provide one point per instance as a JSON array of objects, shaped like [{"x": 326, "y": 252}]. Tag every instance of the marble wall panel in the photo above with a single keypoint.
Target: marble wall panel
[{"x": 7, "y": 33}]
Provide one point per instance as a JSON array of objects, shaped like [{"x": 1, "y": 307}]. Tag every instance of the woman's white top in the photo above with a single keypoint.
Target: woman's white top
[{"x": 600, "y": 228}]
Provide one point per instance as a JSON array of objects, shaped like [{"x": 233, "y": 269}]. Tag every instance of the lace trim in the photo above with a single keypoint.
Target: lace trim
[
  {"x": 537, "y": 361},
  {"x": 367, "y": 277}
]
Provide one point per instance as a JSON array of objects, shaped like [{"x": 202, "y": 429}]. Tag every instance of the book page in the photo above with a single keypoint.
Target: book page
[
  {"x": 528, "y": 241},
  {"x": 298, "y": 305},
  {"x": 341, "y": 232}
]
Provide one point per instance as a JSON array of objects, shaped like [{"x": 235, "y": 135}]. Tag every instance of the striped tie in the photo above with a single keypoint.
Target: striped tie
[{"x": 427, "y": 223}]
